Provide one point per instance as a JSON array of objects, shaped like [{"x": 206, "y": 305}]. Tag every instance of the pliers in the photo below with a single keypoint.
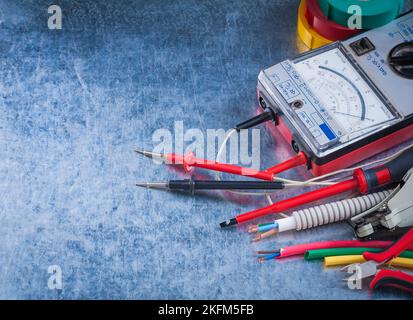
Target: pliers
[{"x": 384, "y": 277}]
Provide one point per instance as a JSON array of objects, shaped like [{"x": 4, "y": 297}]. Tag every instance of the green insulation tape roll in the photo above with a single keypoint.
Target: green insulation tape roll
[{"x": 372, "y": 13}]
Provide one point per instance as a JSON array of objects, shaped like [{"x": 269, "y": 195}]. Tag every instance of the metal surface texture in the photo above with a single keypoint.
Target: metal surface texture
[{"x": 75, "y": 104}]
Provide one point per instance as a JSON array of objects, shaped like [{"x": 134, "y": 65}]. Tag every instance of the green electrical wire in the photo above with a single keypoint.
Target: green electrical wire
[{"x": 321, "y": 253}]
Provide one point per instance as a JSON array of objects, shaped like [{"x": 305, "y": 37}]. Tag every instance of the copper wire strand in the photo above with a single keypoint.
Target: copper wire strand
[{"x": 265, "y": 234}]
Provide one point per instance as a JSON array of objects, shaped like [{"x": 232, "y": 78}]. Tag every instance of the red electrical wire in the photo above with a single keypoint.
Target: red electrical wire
[
  {"x": 298, "y": 160},
  {"x": 301, "y": 249}
]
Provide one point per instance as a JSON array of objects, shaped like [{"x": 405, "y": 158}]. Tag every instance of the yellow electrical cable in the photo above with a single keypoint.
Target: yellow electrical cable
[
  {"x": 306, "y": 33},
  {"x": 347, "y": 260}
]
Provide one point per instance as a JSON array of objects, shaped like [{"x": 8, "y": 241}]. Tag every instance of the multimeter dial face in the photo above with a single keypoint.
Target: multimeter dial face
[{"x": 348, "y": 98}]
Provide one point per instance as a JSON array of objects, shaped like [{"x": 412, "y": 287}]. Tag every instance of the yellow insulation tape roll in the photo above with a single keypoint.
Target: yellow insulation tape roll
[{"x": 307, "y": 34}]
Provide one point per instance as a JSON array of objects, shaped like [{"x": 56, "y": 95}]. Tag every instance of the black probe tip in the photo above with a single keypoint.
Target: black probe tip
[{"x": 228, "y": 223}]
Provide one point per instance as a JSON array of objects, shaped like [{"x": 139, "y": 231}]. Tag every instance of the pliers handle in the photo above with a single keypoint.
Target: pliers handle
[
  {"x": 392, "y": 278},
  {"x": 392, "y": 252},
  {"x": 371, "y": 267}
]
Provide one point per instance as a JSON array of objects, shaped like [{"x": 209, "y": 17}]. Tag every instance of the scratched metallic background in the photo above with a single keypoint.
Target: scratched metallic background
[{"x": 75, "y": 103}]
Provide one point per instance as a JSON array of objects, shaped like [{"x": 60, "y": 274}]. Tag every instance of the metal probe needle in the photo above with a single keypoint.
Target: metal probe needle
[
  {"x": 149, "y": 154},
  {"x": 154, "y": 185}
]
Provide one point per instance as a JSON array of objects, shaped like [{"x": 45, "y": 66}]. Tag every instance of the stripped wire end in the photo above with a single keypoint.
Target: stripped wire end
[
  {"x": 267, "y": 257},
  {"x": 261, "y": 259},
  {"x": 264, "y": 235},
  {"x": 253, "y": 229},
  {"x": 265, "y": 230},
  {"x": 269, "y": 233}
]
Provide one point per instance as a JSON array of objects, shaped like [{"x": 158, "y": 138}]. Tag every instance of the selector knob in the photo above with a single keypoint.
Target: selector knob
[{"x": 401, "y": 59}]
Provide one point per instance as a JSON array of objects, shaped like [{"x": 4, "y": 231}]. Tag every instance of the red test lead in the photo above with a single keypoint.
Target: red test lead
[
  {"x": 299, "y": 160},
  {"x": 364, "y": 181},
  {"x": 189, "y": 161}
]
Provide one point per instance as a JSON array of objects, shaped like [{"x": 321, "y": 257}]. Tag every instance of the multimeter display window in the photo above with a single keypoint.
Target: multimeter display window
[{"x": 349, "y": 107}]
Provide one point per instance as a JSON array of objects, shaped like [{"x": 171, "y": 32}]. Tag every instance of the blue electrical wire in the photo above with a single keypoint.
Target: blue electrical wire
[
  {"x": 270, "y": 256},
  {"x": 267, "y": 227}
]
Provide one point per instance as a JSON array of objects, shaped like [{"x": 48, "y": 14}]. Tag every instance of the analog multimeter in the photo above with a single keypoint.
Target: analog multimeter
[{"x": 346, "y": 101}]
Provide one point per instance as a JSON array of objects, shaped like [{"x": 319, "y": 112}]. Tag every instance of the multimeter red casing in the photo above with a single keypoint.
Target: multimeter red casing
[{"x": 368, "y": 54}]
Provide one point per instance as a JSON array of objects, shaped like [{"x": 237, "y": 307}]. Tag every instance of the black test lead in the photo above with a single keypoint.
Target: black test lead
[{"x": 194, "y": 185}]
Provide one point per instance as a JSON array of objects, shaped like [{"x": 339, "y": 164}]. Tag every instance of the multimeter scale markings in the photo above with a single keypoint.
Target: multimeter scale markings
[{"x": 348, "y": 98}]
